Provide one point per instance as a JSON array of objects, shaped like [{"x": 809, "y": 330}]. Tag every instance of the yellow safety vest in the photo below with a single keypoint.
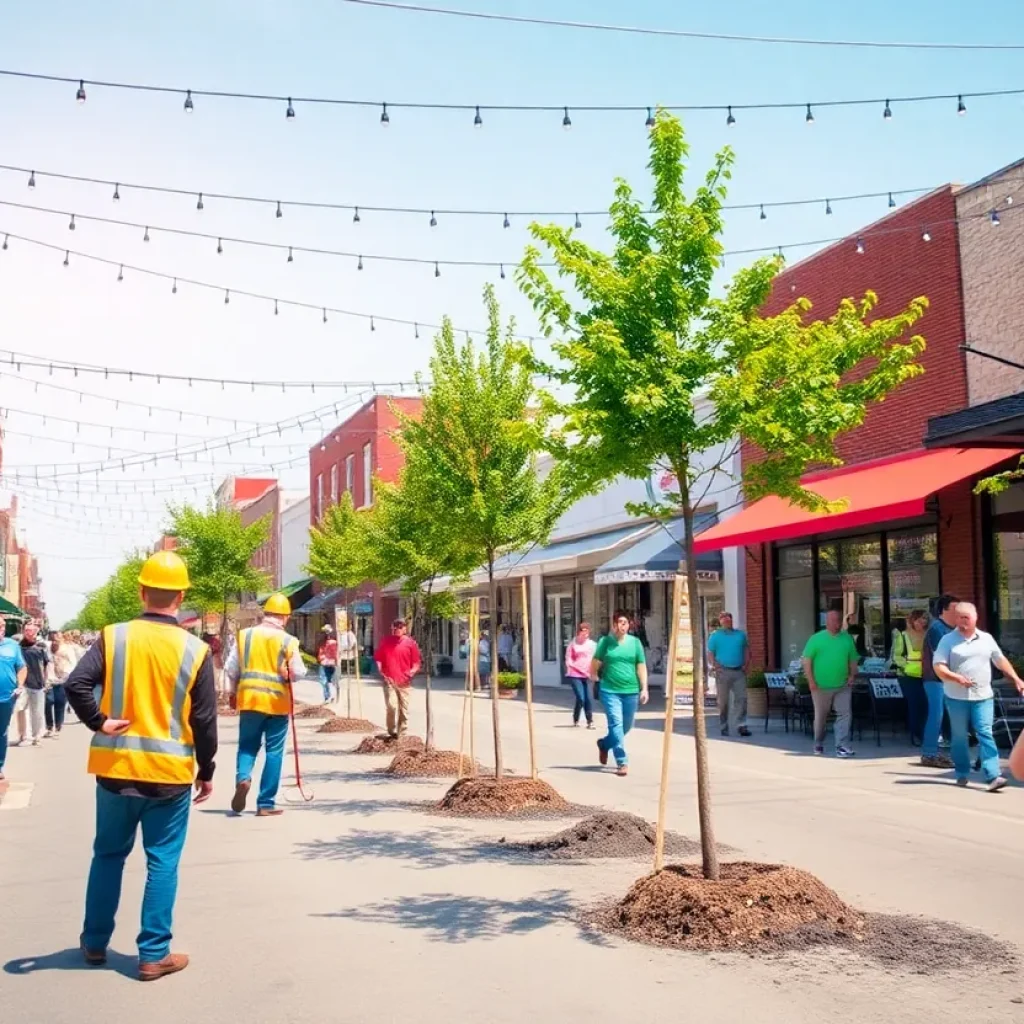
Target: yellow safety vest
[
  {"x": 150, "y": 670},
  {"x": 263, "y": 657},
  {"x": 913, "y": 667}
]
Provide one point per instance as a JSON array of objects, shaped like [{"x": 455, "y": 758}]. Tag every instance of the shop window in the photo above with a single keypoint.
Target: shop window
[
  {"x": 559, "y": 621},
  {"x": 1008, "y": 569},
  {"x": 334, "y": 484},
  {"x": 367, "y": 474},
  {"x": 913, "y": 575},
  {"x": 796, "y": 600},
  {"x": 850, "y": 582},
  {"x": 350, "y": 472}
]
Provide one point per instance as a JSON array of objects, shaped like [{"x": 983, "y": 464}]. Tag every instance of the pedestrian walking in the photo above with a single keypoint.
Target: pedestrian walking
[
  {"x": 483, "y": 660},
  {"x": 348, "y": 651},
  {"x": 620, "y": 667},
  {"x": 907, "y": 656},
  {"x": 578, "y": 656},
  {"x": 506, "y": 643},
  {"x": 146, "y": 690},
  {"x": 729, "y": 654},
  {"x": 398, "y": 660},
  {"x": 963, "y": 661},
  {"x": 260, "y": 671},
  {"x": 63, "y": 658},
  {"x": 934, "y": 689},
  {"x": 37, "y": 660},
  {"x": 327, "y": 658},
  {"x": 12, "y": 681},
  {"x": 830, "y": 667}
]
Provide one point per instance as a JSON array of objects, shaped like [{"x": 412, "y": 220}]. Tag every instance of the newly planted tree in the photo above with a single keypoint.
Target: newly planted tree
[
  {"x": 476, "y": 443},
  {"x": 663, "y": 373}
]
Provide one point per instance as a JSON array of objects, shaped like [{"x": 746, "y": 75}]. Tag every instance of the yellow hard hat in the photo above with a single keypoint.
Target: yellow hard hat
[
  {"x": 278, "y": 604},
  {"x": 165, "y": 571}
]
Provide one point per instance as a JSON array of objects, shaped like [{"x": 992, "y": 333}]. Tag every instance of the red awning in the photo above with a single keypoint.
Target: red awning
[{"x": 877, "y": 492}]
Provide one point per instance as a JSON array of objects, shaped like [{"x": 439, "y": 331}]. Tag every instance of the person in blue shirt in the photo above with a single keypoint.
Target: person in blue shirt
[
  {"x": 729, "y": 653},
  {"x": 12, "y": 678},
  {"x": 943, "y": 623}
]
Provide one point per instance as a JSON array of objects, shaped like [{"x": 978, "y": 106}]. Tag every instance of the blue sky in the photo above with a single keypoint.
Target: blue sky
[{"x": 437, "y": 160}]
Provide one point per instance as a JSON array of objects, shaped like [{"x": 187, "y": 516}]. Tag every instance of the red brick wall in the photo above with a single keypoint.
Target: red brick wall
[
  {"x": 268, "y": 557},
  {"x": 898, "y": 265}
]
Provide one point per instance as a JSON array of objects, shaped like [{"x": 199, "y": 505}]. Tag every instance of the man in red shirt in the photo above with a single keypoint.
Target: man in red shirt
[{"x": 398, "y": 659}]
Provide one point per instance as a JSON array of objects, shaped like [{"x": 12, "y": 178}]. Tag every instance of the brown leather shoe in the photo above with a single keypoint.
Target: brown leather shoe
[
  {"x": 602, "y": 754},
  {"x": 241, "y": 793},
  {"x": 269, "y": 812},
  {"x": 171, "y": 964},
  {"x": 94, "y": 957}
]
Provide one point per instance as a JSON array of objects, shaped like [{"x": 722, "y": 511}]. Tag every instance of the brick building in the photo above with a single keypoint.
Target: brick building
[
  {"x": 348, "y": 459},
  {"x": 913, "y": 527}
]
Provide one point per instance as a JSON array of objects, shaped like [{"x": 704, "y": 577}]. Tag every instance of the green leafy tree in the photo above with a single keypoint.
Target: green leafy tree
[
  {"x": 338, "y": 551},
  {"x": 643, "y": 345},
  {"x": 117, "y": 600},
  {"x": 218, "y": 550},
  {"x": 477, "y": 444}
]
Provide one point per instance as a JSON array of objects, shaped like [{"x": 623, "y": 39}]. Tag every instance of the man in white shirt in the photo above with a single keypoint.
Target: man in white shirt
[
  {"x": 963, "y": 661},
  {"x": 505, "y": 649}
]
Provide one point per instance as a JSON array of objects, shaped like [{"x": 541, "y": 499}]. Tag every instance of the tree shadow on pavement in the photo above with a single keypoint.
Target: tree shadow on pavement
[
  {"x": 366, "y": 807},
  {"x": 424, "y": 849},
  {"x": 71, "y": 959},
  {"x": 457, "y": 919},
  {"x": 375, "y": 777}
]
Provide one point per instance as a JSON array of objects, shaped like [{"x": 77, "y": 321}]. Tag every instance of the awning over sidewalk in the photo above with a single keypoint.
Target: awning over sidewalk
[
  {"x": 877, "y": 492},
  {"x": 288, "y": 591},
  {"x": 318, "y": 603},
  {"x": 657, "y": 554},
  {"x": 566, "y": 552}
]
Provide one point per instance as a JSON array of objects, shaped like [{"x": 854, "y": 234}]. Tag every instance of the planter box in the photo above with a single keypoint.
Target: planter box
[
  {"x": 757, "y": 702},
  {"x": 507, "y": 694}
]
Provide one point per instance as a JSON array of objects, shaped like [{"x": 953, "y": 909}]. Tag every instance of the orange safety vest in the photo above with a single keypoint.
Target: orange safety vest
[
  {"x": 263, "y": 657},
  {"x": 149, "y": 673}
]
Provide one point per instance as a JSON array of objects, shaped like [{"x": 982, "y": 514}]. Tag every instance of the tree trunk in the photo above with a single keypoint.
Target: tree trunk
[
  {"x": 428, "y": 662},
  {"x": 492, "y": 612},
  {"x": 709, "y": 851}
]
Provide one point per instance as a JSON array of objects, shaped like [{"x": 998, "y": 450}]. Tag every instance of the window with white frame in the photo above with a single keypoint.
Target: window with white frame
[
  {"x": 350, "y": 472},
  {"x": 334, "y": 484},
  {"x": 368, "y": 473},
  {"x": 319, "y": 495}
]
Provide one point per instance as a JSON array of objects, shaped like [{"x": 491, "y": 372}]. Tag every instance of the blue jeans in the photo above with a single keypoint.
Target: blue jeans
[
  {"x": 164, "y": 824},
  {"x": 620, "y": 708},
  {"x": 935, "y": 695},
  {"x": 55, "y": 706},
  {"x": 326, "y": 678},
  {"x": 977, "y": 715},
  {"x": 581, "y": 691},
  {"x": 253, "y": 728},
  {"x": 6, "y": 711}
]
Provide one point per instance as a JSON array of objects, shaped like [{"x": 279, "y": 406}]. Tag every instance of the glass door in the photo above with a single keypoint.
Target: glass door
[{"x": 559, "y": 626}]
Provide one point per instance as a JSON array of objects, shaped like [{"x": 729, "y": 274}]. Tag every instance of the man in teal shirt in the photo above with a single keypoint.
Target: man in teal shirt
[
  {"x": 830, "y": 666},
  {"x": 12, "y": 678},
  {"x": 729, "y": 654},
  {"x": 620, "y": 666}
]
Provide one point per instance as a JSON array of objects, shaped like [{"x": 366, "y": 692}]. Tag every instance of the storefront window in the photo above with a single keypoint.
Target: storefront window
[
  {"x": 1008, "y": 568},
  {"x": 913, "y": 574},
  {"x": 796, "y": 600},
  {"x": 850, "y": 582}
]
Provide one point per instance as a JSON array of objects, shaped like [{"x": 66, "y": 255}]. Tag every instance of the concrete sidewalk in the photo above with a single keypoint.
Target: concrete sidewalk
[{"x": 360, "y": 907}]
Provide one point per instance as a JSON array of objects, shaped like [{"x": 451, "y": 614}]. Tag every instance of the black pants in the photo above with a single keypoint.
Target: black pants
[
  {"x": 56, "y": 704},
  {"x": 917, "y": 707}
]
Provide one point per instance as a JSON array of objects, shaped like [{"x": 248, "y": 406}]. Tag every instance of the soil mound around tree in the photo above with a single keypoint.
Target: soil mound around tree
[
  {"x": 605, "y": 834},
  {"x": 488, "y": 797},
  {"x": 430, "y": 764},
  {"x": 313, "y": 711},
  {"x": 388, "y": 744},
  {"x": 750, "y": 905},
  {"x": 224, "y": 708},
  {"x": 348, "y": 725}
]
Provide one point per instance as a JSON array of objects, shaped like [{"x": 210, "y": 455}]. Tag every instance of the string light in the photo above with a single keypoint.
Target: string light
[
  {"x": 961, "y": 107},
  {"x": 227, "y": 296},
  {"x": 355, "y": 216},
  {"x": 120, "y": 273},
  {"x": 433, "y": 219},
  {"x": 174, "y": 287},
  {"x": 892, "y": 202},
  {"x": 359, "y": 266},
  {"x": 764, "y": 216},
  {"x": 503, "y": 272},
  {"x": 32, "y": 180},
  {"x": 566, "y": 120},
  {"x": 809, "y": 118},
  {"x": 220, "y": 246},
  {"x": 6, "y": 237},
  {"x": 649, "y": 123},
  {"x": 506, "y": 223},
  {"x": 145, "y": 236},
  {"x": 828, "y": 208},
  {"x": 578, "y": 223},
  {"x": 437, "y": 270},
  {"x": 275, "y": 307},
  {"x": 117, "y": 193},
  {"x": 71, "y": 223},
  {"x": 290, "y": 112},
  {"x": 478, "y": 121},
  {"x": 279, "y": 213},
  {"x": 189, "y": 105},
  {"x": 860, "y": 247},
  {"x": 80, "y": 95},
  {"x": 730, "y": 120},
  {"x": 67, "y": 258},
  {"x": 887, "y": 113},
  {"x": 199, "y": 203},
  {"x": 385, "y": 117},
  {"x": 291, "y": 257}
]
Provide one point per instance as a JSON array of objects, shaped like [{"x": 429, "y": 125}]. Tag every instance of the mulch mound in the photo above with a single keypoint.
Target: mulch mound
[
  {"x": 497, "y": 798},
  {"x": 605, "y": 834},
  {"x": 388, "y": 744},
  {"x": 431, "y": 764},
  {"x": 348, "y": 725},
  {"x": 750, "y": 905},
  {"x": 313, "y": 711}
]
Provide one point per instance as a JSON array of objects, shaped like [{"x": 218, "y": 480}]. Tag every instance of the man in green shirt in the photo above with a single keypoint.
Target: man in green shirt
[
  {"x": 830, "y": 666},
  {"x": 621, "y": 667}
]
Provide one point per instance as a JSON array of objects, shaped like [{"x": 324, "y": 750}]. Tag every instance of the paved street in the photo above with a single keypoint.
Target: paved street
[{"x": 360, "y": 908}]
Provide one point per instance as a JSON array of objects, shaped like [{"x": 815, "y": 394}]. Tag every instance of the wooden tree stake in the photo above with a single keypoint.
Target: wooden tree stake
[
  {"x": 670, "y": 711},
  {"x": 528, "y": 669}
]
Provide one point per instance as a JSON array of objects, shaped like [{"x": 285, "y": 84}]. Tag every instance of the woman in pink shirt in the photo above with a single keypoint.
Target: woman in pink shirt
[{"x": 578, "y": 656}]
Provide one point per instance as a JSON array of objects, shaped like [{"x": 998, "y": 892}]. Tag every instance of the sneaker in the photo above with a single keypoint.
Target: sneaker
[
  {"x": 962, "y": 783},
  {"x": 845, "y": 752},
  {"x": 602, "y": 754},
  {"x": 996, "y": 784},
  {"x": 943, "y": 743},
  {"x": 20, "y": 741},
  {"x": 36, "y": 742},
  {"x": 936, "y": 761},
  {"x": 48, "y": 734},
  {"x": 744, "y": 731},
  {"x": 590, "y": 725},
  {"x": 819, "y": 749}
]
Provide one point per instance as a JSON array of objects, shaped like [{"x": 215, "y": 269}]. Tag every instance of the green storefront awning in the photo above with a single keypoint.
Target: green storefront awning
[
  {"x": 12, "y": 610},
  {"x": 289, "y": 591}
]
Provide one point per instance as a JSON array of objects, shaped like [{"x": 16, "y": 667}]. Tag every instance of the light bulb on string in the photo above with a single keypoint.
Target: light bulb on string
[
  {"x": 416, "y": 331},
  {"x": 433, "y": 219},
  {"x": 220, "y": 246},
  {"x": 809, "y": 117},
  {"x": 507, "y": 223},
  {"x": 290, "y": 112},
  {"x": 649, "y": 123},
  {"x": 892, "y": 202},
  {"x": 116, "y": 197},
  {"x": 120, "y": 273},
  {"x": 385, "y": 117},
  {"x": 325, "y": 315},
  {"x": 503, "y": 271},
  {"x": 828, "y": 208},
  {"x": 189, "y": 105},
  {"x": 80, "y": 95},
  {"x": 291, "y": 258},
  {"x": 373, "y": 326},
  {"x": 478, "y": 121},
  {"x": 566, "y": 120},
  {"x": 359, "y": 265},
  {"x": 6, "y": 237},
  {"x": 578, "y": 223},
  {"x": 145, "y": 236},
  {"x": 355, "y": 216},
  {"x": 275, "y": 307},
  {"x": 437, "y": 270},
  {"x": 174, "y": 287},
  {"x": 227, "y": 296},
  {"x": 764, "y": 216},
  {"x": 961, "y": 107},
  {"x": 199, "y": 202},
  {"x": 860, "y": 247},
  {"x": 67, "y": 258},
  {"x": 279, "y": 212},
  {"x": 71, "y": 223}
]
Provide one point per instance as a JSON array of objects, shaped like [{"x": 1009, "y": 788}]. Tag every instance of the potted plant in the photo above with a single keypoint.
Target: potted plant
[
  {"x": 757, "y": 693},
  {"x": 509, "y": 684},
  {"x": 445, "y": 666}
]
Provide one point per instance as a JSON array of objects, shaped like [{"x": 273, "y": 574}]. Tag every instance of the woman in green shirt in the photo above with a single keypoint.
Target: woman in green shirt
[{"x": 621, "y": 668}]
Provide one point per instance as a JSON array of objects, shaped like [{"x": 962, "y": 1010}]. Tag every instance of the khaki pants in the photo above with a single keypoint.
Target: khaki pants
[
  {"x": 840, "y": 701},
  {"x": 732, "y": 698},
  {"x": 396, "y": 700}
]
